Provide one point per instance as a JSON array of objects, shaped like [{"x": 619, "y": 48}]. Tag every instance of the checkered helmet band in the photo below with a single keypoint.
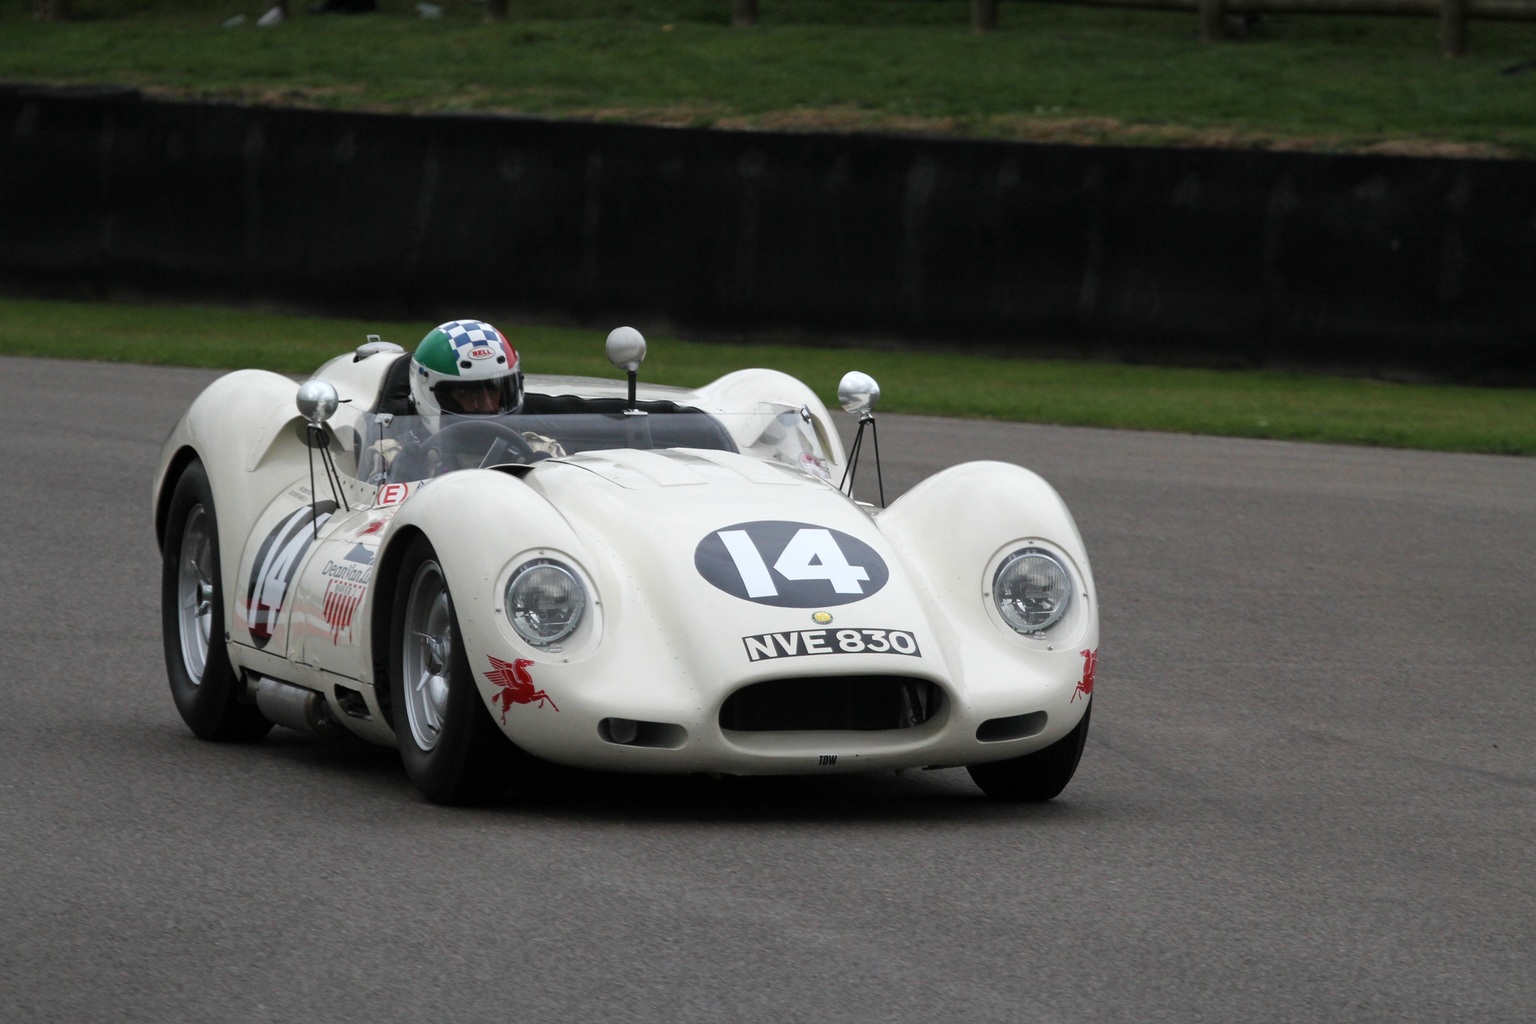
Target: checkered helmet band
[{"x": 462, "y": 350}]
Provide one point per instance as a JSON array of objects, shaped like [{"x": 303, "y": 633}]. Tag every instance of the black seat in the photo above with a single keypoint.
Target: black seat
[{"x": 395, "y": 394}]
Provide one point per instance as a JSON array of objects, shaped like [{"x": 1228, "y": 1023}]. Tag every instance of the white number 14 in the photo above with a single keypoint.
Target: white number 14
[{"x": 811, "y": 554}]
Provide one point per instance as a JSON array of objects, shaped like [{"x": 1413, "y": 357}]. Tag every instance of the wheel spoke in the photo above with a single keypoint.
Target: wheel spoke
[
  {"x": 428, "y": 652},
  {"x": 432, "y": 719},
  {"x": 194, "y": 593}
]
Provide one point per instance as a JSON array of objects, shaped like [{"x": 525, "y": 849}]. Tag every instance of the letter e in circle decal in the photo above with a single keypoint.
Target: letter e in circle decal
[{"x": 790, "y": 565}]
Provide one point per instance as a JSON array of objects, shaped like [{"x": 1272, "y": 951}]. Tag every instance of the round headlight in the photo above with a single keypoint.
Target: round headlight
[
  {"x": 1032, "y": 590},
  {"x": 544, "y": 601}
]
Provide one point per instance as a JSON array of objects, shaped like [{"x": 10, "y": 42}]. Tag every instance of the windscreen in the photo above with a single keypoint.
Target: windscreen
[{"x": 407, "y": 448}]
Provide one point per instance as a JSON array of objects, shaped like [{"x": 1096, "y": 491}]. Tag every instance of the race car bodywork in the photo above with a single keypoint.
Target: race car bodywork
[{"x": 684, "y": 586}]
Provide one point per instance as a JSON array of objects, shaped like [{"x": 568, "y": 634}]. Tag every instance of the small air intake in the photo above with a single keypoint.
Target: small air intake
[{"x": 1015, "y": 727}]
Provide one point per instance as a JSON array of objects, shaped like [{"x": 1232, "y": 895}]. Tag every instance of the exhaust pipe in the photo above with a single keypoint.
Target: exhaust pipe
[{"x": 296, "y": 708}]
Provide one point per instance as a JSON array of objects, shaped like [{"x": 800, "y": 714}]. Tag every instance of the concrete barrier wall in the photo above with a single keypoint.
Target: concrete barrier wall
[{"x": 1381, "y": 264}]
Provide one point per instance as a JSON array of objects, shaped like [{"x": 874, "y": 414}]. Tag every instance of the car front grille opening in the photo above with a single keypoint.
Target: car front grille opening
[{"x": 827, "y": 703}]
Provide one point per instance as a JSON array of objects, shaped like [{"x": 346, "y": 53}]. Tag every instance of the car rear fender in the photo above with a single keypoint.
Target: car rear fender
[{"x": 236, "y": 427}]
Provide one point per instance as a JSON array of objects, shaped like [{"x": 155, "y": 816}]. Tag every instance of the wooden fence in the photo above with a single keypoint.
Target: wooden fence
[
  {"x": 1214, "y": 14},
  {"x": 1225, "y": 257},
  {"x": 1453, "y": 14}
]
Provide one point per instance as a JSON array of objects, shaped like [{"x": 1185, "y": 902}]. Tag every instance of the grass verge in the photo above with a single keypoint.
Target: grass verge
[
  {"x": 1053, "y": 72},
  {"x": 1230, "y": 403}
]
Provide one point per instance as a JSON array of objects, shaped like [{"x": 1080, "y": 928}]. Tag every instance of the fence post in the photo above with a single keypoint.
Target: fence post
[
  {"x": 1453, "y": 27},
  {"x": 983, "y": 15},
  {"x": 1212, "y": 20},
  {"x": 1213, "y": 17},
  {"x": 743, "y": 13}
]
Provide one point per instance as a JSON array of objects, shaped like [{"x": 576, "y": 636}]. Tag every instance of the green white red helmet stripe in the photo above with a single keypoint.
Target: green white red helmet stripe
[
  {"x": 459, "y": 347},
  {"x": 463, "y": 352}
]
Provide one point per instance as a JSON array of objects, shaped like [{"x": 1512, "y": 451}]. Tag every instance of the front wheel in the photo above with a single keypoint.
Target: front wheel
[
  {"x": 1038, "y": 776},
  {"x": 451, "y": 748},
  {"x": 203, "y": 683}
]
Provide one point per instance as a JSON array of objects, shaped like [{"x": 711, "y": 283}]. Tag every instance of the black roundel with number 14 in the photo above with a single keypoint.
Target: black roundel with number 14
[{"x": 790, "y": 565}]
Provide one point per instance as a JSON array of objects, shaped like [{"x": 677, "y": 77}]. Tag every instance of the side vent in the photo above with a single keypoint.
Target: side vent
[
  {"x": 353, "y": 703},
  {"x": 1015, "y": 727}
]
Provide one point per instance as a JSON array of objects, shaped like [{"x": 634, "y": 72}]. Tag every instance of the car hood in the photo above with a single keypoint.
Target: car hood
[{"x": 720, "y": 542}]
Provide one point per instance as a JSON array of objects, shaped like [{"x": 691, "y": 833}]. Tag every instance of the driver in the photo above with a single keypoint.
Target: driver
[
  {"x": 465, "y": 368},
  {"x": 461, "y": 369}
]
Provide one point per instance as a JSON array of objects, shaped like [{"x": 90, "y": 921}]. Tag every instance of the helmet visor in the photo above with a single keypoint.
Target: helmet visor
[{"x": 479, "y": 397}]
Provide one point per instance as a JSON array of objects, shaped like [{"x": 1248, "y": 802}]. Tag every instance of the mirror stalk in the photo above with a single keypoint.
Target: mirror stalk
[
  {"x": 317, "y": 401},
  {"x": 858, "y": 393}
]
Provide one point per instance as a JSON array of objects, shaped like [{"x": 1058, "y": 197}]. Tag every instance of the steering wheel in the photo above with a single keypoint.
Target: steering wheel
[{"x": 465, "y": 437}]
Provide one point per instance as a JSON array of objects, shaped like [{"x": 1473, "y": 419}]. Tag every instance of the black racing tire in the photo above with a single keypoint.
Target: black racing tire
[
  {"x": 204, "y": 685},
  {"x": 451, "y": 747},
  {"x": 1036, "y": 777}
]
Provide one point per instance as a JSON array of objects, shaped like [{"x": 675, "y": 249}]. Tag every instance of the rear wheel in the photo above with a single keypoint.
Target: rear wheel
[
  {"x": 1038, "y": 776},
  {"x": 451, "y": 748},
  {"x": 204, "y": 685}
]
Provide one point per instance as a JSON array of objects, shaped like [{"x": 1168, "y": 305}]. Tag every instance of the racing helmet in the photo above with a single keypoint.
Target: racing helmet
[{"x": 466, "y": 368}]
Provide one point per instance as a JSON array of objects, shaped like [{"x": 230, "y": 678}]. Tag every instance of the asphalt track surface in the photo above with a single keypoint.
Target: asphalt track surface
[{"x": 1307, "y": 795}]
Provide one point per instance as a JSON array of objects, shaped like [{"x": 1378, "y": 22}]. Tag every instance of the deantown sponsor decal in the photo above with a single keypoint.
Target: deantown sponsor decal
[
  {"x": 355, "y": 567},
  {"x": 341, "y": 601},
  {"x": 807, "y": 642},
  {"x": 346, "y": 582}
]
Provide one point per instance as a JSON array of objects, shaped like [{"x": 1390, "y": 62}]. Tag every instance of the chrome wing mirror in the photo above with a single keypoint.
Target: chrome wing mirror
[
  {"x": 318, "y": 401},
  {"x": 626, "y": 350}
]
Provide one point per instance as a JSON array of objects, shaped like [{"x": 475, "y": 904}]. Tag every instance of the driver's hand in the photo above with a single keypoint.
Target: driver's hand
[
  {"x": 384, "y": 451},
  {"x": 540, "y": 443}
]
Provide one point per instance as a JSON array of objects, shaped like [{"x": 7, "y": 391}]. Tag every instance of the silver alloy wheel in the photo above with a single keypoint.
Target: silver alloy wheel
[
  {"x": 194, "y": 593},
  {"x": 427, "y": 653}
]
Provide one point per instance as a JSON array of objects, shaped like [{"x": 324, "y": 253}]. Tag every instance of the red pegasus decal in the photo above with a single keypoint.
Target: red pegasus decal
[
  {"x": 516, "y": 685},
  {"x": 1090, "y": 666}
]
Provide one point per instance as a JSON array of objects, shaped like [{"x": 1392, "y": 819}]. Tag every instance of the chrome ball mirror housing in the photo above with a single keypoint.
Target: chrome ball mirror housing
[
  {"x": 858, "y": 393},
  {"x": 626, "y": 348},
  {"x": 317, "y": 400}
]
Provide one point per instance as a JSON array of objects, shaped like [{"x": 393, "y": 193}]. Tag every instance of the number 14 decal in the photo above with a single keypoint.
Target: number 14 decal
[
  {"x": 790, "y": 565},
  {"x": 812, "y": 554}
]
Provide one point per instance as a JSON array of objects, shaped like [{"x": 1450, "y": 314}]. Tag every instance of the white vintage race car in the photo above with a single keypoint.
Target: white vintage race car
[{"x": 684, "y": 586}]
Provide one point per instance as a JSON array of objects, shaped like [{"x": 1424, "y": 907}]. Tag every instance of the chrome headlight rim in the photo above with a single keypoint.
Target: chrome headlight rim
[
  {"x": 516, "y": 602},
  {"x": 1040, "y": 621}
]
